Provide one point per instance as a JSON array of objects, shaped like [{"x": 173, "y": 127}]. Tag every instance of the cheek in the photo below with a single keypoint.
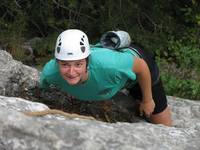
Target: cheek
[
  {"x": 82, "y": 70},
  {"x": 63, "y": 70}
]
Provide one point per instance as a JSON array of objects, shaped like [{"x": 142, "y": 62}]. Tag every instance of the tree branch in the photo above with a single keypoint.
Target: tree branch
[
  {"x": 72, "y": 11},
  {"x": 17, "y": 4}
]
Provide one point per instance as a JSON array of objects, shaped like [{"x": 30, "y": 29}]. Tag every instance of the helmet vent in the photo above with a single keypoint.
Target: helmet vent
[
  {"x": 83, "y": 49},
  {"x": 60, "y": 42},
  {"x": 82, "y": 39},
  {"x": 59, "y": 45},
  {"x": 69, "y": 53},
  {"x": 82, "y": 44},
  {"x": 58, "y": 49}
]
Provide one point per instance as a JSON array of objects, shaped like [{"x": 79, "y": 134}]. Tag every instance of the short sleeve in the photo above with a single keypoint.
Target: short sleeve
[{"x": 43, "y": 81}]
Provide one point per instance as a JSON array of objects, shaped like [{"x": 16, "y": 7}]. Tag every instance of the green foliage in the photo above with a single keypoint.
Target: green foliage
[
  {"x": 169, "y": 28},
  {"x": 186, "y": 88},
  {"x": 12, "y": 25},
  {"x": 191, "y": 12},
  {"x": 44, "y": 46},
  {"x": 185, "y": 56}
]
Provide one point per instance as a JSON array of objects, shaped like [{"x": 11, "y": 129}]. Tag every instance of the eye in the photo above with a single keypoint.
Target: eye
[
  {"x": 79, "y": 64},
  {"x": 64, "y": 65}
]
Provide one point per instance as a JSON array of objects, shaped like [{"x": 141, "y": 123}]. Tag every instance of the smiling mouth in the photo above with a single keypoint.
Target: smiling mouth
[{"x": 70, "y": 77}]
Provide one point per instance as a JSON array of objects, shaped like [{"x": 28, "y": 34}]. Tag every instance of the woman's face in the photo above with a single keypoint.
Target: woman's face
[{"x": 73, "y": 72}]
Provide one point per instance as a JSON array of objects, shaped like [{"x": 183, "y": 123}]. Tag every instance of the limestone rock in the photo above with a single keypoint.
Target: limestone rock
[
  {"x": 15, "y": 78},
  {"x": 18, "y": 131}
]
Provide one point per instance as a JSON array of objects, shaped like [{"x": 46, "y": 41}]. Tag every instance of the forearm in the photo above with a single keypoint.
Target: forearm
[
  {"x": 144, "y": 78},
  {"x": 147, "y": 104}
]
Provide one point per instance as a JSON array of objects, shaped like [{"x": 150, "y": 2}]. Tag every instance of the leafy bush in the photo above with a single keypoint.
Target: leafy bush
[
  {"x": 44, "y": 46},
  {"x": 186, "y": 88},
  {"x": 183, "y": 54}
]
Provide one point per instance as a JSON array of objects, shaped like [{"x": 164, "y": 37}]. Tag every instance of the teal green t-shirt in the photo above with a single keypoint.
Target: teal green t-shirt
[{"x": 108, "y": 71}]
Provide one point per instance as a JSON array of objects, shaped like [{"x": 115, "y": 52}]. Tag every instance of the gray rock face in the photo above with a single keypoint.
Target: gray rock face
[
  {"x": 21, "y": 132},
  {"x": 18, "y": 131},
  {"x": 15, "y": 78}
]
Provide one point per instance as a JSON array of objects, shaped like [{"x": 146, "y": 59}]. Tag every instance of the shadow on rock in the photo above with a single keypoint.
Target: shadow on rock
[{"x": 121, "y": 108}]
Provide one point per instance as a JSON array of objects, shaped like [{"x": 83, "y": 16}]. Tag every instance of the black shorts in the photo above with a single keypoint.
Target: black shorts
[{"x": 158, "y": 92}]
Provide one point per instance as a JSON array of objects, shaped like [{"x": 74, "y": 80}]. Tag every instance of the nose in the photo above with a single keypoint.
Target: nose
[{"x": 71, "y": 70}]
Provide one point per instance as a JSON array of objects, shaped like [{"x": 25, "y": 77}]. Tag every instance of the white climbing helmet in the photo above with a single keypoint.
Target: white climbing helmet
[{"x": 72, "y": 44}]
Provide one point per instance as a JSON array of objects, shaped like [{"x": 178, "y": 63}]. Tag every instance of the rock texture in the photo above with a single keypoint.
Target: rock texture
[
  {"x": 16, "y": 79},
  {"x": 18, "y": 131}
]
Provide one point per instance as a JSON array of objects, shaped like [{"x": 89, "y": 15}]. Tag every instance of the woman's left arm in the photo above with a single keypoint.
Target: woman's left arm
[{"x": 144, "y": 79}]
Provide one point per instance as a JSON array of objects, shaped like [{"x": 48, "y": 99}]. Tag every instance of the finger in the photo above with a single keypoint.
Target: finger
[
  {"x": 147, "y": 119},
  {"x": 148, "y": 115},
  {"x": 141, "y": 111}
]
